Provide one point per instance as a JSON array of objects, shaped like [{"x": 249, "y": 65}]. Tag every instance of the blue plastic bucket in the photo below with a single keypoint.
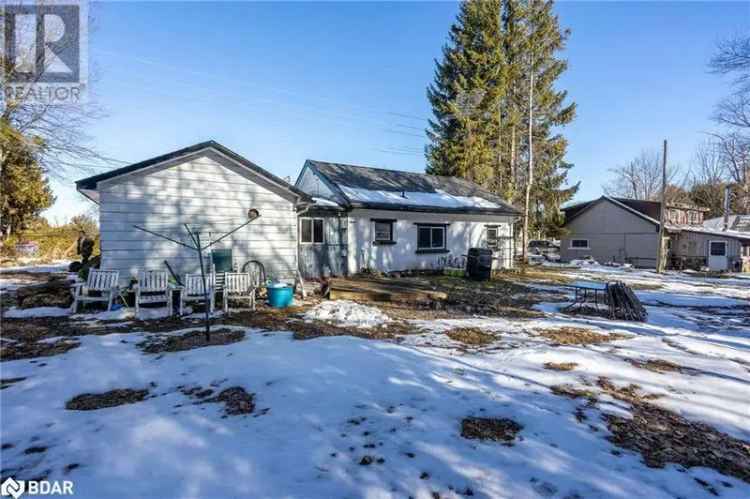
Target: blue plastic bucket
[{"x": 280, "y": 296}]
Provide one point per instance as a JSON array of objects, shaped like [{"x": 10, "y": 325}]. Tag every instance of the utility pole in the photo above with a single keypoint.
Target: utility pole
[
  {"x": 662, "y": 215},
  {"x": 530, "y": 176}
]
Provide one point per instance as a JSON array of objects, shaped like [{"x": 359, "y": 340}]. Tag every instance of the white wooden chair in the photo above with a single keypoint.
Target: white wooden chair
[
  {"x": 192, "y": 290},
  {"x": 103, "y": 284},
  {"x": 241, "y": 285},
  {"x": 153, "y": 287}
]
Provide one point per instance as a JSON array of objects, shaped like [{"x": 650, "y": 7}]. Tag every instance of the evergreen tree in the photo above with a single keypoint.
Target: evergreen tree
[
  {"x": 24, "y": 189},
  {"x": 468, "y": 85},
  {"x": 494, "y": 49}
]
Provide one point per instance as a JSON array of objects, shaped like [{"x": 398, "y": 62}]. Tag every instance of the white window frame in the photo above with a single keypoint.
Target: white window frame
[
  {"x": 312, "y": 221},
  {"x": 391, "y": 224},
  {"x": 442, "y": 227},
  {"x": 579, "y": 247}
]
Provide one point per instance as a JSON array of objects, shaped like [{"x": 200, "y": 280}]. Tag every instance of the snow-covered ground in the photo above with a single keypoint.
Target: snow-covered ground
[{"x": 324, "y": 404}]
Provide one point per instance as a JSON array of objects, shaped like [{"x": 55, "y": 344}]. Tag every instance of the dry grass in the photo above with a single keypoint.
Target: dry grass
[
  {"x": 499, "y": 430},
  {"x": 657, "y": 365},
  {"x": 579, "y": 336},
  {"x": 112, "y": 398},
  {"x": 560, "y": 366},
  {"x": 29, "y": 350},
  {"x": 190, "y": 340},
  {"x": 471, "y": 336},
  {"x": 573, "y": 392},
  {"x": 661, "y": 437}
]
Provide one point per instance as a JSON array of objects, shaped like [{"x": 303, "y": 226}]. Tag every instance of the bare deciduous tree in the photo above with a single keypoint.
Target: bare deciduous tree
[
  {"x": 733, "y": 57},
  {"x": 708, "y": 178},
  {"x": 55, "y": 132},
  {"x": 641, "y": 178}
]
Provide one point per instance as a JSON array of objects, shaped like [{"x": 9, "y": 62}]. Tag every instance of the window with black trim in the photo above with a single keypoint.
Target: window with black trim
[
  {"x": 430, "y": 237},
  {"x": 579, "y": 244},
  {"x": 383, "y": 232},
  {"x": 311, "y": 231},
  {"x": 493, "y": 237}
]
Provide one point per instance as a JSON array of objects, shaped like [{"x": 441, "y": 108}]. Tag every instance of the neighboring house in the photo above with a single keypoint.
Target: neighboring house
[
  {"x": 206, "y": 186},
  {"x": 386, "y": 220},
  {"x": 627, "y": 231}
]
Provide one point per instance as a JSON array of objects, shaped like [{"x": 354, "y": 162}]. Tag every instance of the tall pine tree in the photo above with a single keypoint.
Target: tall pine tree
[
  {"x": 468, "y": 85},
  {"x": 494, "y": 48}
]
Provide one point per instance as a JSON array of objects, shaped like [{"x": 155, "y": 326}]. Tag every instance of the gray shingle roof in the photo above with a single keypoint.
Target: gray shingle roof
[{"x": 343, "y": 176}]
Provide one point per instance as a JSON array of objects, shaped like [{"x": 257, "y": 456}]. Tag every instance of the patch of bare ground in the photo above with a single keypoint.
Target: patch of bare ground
[
  {"x": 6, "y": 382},
  {"x": 190, "y": 340},
  {"x": 657, "y": 365},
  {"x": 500, "y": 296},
  {"x": 661, "y": 437},
  {"x": 573, "y": 392},
  {"x": 236, "y": 400},
  {"x": 560, "y": 366},
  {"x": 288, "y": 319},
  {"x": 628, "y": 393},
  {"x": 32, "y": 349},
  {"x": 499, "y": 430},
  {"x": 471, "y": 336},
  {"x": 112, "y": 398},
  {"x": 579, "y": 336}
]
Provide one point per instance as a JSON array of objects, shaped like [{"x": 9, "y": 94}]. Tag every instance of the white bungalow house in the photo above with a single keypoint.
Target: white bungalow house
[
  {"x": 337, "y": 219},
  {"x": 387, "y": 220}
]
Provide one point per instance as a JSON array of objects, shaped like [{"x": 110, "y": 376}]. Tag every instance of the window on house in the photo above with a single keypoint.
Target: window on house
[
  {"x": 311, "y": 230},
  {"x": 579, "y": 244},
  {"x": 493, "y": 237},
  {"x": 430, "y": 237},
  {"x": 718, "y": 248},
  {"x": 383, "y": 233}
]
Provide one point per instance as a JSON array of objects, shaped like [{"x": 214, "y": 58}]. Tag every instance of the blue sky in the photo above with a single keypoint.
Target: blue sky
[{"x": 283, "y": 82}]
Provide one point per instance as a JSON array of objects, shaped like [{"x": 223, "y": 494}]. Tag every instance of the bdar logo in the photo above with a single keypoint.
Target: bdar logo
[{"x": 12, "y": 487}]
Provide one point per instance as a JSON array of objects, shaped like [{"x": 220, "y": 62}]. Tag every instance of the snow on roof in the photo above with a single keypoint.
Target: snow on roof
[
  {"x": 439, "y": 199},
  {"x": 325, "y": 202}
]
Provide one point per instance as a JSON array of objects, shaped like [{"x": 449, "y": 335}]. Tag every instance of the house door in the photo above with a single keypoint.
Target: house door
[{"x": 717, "y": 255}]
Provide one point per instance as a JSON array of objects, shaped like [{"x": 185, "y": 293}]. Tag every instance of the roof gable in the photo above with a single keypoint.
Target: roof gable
[
  {"x": 90, "y": 183},
  {"x": 632, "y": 206},
  {"x": 378, "y": 188}
]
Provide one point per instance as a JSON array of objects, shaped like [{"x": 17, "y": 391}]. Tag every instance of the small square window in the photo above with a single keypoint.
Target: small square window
[
  {"x": 431, "y": 237},
  {"x": 492, "y": 237},
  {"x": 579, "y": 244},
  {"x": 383, "y": 231},
  {"x": 311, "y": 231}
]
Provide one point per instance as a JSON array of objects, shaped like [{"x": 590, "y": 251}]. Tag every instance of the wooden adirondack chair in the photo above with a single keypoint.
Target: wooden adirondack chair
[
  {"x": 103, "y": 284},
  {"x": 239, "y": 285},
  {"x": 192, "y": 290},
  {"x": 153, "y": 287}
]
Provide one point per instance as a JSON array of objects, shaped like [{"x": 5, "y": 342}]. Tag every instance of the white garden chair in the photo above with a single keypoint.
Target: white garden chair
[
  {"x": 100, "y": 286},
  {"x": 192, "y": 290},
  {"x": 153, "y": 287},
  {"x": 240, "y": 285}
]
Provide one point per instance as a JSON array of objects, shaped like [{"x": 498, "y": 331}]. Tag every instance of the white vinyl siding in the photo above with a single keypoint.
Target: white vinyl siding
[{"x": 206, "y": 190}]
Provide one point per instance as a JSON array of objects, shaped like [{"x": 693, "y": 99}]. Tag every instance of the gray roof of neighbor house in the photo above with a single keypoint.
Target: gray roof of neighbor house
[
  {"x": 740, "y": 223},
  {"x": 378, "y": 188},
  {"x": 649, "y": 211},
  {"x": 90, "y": 183}
]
